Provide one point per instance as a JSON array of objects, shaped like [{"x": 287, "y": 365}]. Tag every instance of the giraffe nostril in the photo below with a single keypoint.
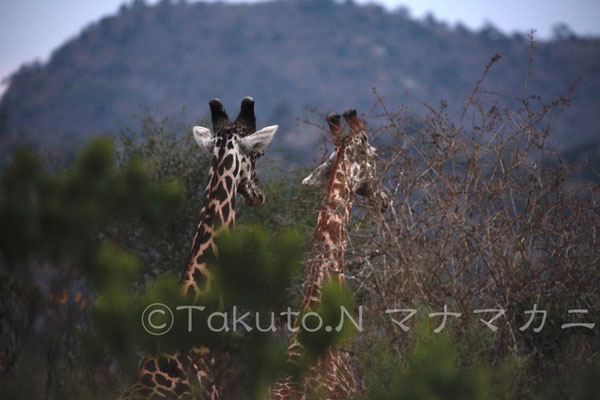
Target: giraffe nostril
[{"x": 257, "y": 198}]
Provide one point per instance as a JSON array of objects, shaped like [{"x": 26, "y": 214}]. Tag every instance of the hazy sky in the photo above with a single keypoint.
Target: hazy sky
[{"x": 31, "y": 29}]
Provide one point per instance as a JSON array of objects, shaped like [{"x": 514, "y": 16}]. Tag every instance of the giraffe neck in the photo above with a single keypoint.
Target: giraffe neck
[
  {"x": 329, "y": 242},
  {"x": 330, "y": 235},
  {"x": 218, "y": 214}
]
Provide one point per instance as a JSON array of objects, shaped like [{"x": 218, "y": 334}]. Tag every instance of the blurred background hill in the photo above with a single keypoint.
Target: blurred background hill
[{"x": 169, "y": 57}]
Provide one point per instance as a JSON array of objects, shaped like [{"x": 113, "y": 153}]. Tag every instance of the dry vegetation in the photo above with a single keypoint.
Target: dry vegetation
[{"x": 485, "y": 215}]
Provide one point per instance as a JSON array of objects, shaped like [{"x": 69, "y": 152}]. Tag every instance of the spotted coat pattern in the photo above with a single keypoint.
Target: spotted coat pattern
[
  {"x": 350, "y": 170},
  {"x": 232, "y": 169}
]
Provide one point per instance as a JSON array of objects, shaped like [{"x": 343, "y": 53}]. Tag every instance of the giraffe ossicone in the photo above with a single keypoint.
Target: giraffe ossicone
[{"x": 362, "y": 177}]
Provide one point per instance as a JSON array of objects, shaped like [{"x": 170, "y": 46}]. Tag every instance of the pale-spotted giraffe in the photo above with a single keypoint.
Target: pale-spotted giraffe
[
  {"x": 235, "y": 148},
  {"x": 349, "y": 170}
]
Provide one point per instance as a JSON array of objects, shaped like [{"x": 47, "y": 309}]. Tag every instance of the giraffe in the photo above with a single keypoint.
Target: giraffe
[
  {"x": 349, "y": 170},
  {"x": 235, "y": 148}
]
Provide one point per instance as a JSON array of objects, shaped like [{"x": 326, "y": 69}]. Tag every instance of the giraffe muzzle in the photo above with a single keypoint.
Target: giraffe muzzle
[{"x": 253, "y": 194}]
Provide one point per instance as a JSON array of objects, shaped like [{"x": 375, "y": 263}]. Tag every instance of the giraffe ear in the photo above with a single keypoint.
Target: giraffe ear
[
  {"x": 259, "y": 140},
  {"x": 321, "y": 174},
  {"x": 204, "y": 138}
]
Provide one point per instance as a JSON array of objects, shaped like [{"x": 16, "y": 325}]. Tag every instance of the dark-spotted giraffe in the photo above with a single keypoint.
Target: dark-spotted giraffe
[
  {"x": 349, "y": 170},
  {"x": 235, "y": 148}
]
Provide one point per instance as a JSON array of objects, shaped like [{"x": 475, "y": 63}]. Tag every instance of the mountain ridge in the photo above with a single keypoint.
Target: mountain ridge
[{"x": 287, "y": 55}]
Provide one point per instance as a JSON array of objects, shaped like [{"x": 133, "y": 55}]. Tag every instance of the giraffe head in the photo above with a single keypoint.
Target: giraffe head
[
  {"x": 236, "y": 147},
  {"x": 355, "y": 156}
]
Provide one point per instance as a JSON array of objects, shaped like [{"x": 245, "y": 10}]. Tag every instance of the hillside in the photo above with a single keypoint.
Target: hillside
[{"x": 287, "y": 55}]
